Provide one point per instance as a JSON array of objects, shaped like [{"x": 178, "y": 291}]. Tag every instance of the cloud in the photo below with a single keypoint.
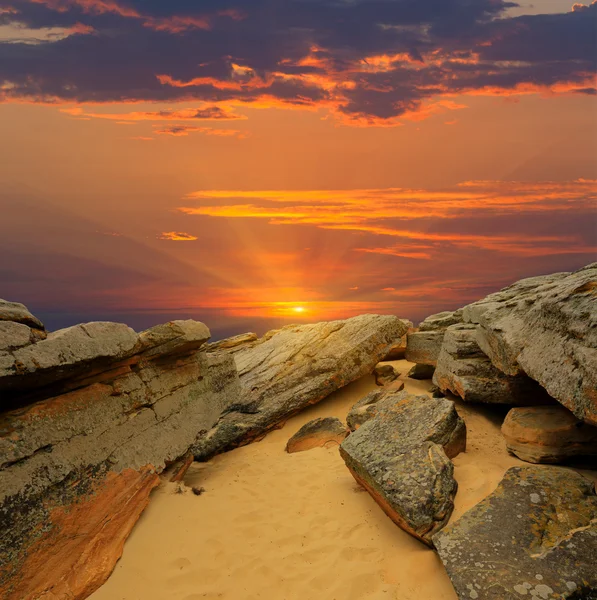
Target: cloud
[
  {"x": 367, "y": 61},
  {"x": 178, "y": 236},
  {"x": 183, "y": 130}
]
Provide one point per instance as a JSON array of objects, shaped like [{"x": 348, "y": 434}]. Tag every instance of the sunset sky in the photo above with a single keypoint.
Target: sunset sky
[{"x": 251, "y": 163}]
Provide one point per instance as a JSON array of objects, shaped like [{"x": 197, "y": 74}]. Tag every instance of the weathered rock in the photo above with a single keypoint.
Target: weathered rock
[
  {"x": 463, "y": 369},
  {"x": 366, "y": 408},
  {"x": 385, "y": 374},
  {"x": 398, "y": 348},
  {"x": 76, "y": 468},
  {"x": 436, "y": 392},
  {"x": 548, "y": 434},
  {"x": 324, "y": 432},
  {"x": 441, "y": 321},
  {"x": 534, "y": 537},
  {"x": 423, "y": 347},
  {"x": 294, "y": 367},
  {"x": 546, "y": 327},
  {"x": 233, "y": 343},
  {"x": 19, "y": 313},
  {"x": 401, "y": 456},
  {"x": 421, "y": 372}
]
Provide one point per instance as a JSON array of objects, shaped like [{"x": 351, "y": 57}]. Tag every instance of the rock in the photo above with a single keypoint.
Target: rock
[
  {"x": 463, "y": 369},
  {"x": 324, "y": 432},
  {"x": 14, "y": 335},
  {"x": 296, "y": 366},
  {"x": 366, "y": 408},
  {"x": 422, "y": 347},
  {"x": 77, "y": 466},
  {"x": 548, "y": 434},
  {"x": 233, "y": 343},
  {"x": 436, "y": 392},
  {"x": 19, "y": 313},
  {"x": 546, "y": 327},
  {"x": 421, "y": 372},
  {"x": 441, "y": 320},
  {"x": 385, "y": 374},
  {"x": 534, "y": 537},
  {"x": 398, "y": 348},
  {"x": 401, "y": 456}
]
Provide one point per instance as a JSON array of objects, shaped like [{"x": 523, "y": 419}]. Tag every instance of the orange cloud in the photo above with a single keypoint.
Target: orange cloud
[
  {"x": 177, "y": 236},
  {"x": 184, "y": 130}
]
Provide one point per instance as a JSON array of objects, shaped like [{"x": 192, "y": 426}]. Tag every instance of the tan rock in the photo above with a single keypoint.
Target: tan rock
[
  {"x": 323, "y": 432},
  {"x": 385, "y": 374}
]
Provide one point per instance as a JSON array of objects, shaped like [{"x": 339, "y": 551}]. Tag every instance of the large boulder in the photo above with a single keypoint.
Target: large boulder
[
  {"x": 546, "y": 327},
  {"x": 441, "y": 321},
  {"x": 401, "y": 456},
  {"x": 463, "y": 369},
  {"x": 18, "y": 313},
  {"x": 398, "y": 348},
  {"x": 423, "y": 347},
  {"x": 293, "y": 367},
  {"x": 323, "y": 432},
  {"x": 548, "y": 434},
  {"x": 79, "y": 457},
  {"x": 534, "y": 537}
]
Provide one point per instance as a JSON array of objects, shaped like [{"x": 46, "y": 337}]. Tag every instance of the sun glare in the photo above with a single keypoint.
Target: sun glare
[{"x": 299, "y": 309}]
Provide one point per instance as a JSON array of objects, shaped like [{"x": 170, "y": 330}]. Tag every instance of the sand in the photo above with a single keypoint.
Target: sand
[{"x": 278, "y": 526}]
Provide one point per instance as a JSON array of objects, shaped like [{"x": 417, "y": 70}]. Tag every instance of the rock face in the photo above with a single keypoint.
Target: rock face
[
  {"x": 441, "y": 320},
  {"x": 294, "y": 367},
  {"x": 546, "y": 327},
  {"x": 535, "y": 536},
  {"x": 421, "y": 372},
  {"x": 385, "y": 374},
  {"x": 398, "y": 348},
  {"x": 318, "y": 433},
  {"x": 19, "y": 313},
  {"x": 423, "y": 347},
  {"x": 366, "y": 408},
  {"x": 463, "y": 369},
  {"x": 402, "y": 457},
  {"x": 97, "y": 411},
  {"x": 548, "y": 434}
]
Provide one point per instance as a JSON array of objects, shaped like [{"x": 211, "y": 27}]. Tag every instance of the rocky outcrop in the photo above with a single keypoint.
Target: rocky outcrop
[
  {"x": 397, "y": 349},
  {"x": 385, "y": 374},
  {"x": 402, "y": 457},
  {"x": 16, "y": 312},
  {"x": 325, "y": 432},
  {"x": 96, "y": 412},
  {"x": 441, "y": 321},
  {"x": 421, "y": 372},
  {"x": 293, "y": 367},
  {"x": 463, "y": 369},
  {"x": 546, "y": 327},
  {"x": 548, "y": 434},
  {"x": 423, "y": 347},
  {"x": 234, "y": 343},
  {"x": 535, "y": 536}
]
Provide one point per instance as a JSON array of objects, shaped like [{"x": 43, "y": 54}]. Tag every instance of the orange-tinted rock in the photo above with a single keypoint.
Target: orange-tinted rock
[
  {"x": 385, "y": 374},
  {"x": 78, "y": 545},
  {"x": 548, "y": 434},
  {"x": 325, "y": 432}
]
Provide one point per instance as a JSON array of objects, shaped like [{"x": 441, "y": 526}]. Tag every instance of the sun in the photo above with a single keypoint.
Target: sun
[{"x": 299, "y": 309}]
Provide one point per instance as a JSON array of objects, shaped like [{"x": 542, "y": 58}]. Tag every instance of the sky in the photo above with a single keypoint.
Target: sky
[{"x": 254, "y": 163}]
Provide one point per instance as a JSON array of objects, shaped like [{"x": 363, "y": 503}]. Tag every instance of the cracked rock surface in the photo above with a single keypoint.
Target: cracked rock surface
[{"x": 534, "y": 537}]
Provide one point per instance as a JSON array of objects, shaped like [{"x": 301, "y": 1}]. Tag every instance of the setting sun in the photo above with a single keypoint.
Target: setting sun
[{"x": 299, "y": 309}]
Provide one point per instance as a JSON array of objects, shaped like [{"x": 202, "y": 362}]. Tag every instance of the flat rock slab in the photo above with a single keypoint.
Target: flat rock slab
[
  {"x": 423, "y": 347},
  {"x": 546, "y": 327},
  {"x": 366, "y": 407},
  {"x": 293, "y": 367},
  {"x": 535, "y": 537},
  {"x": 402, "y": 458},
  {"x": 463, "y": 369},
  {"x": 19, "y": 313},
  {"x": 548, "y": 434},
  {"x": 325, "y": 432},
  {"x": 441, "y": 320}
]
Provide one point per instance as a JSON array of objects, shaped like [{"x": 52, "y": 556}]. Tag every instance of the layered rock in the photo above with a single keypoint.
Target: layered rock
[
  {"x": 385, "y": 374},
  {"x": 463, "y": 369},
  {"x": 402, "y": 457},
  {"x": 397, "y": 349},
  {"x": 293, "y": 367},
  {"x": 323, "y": 432},
  {"x": 98, "y": 411},
  {"x": 423, "y": 347},
  {"x": 548, "y": 434},
  {"x": 535, "y": 536},
  {"x": 366, "y": 407},
  {"x": 546, "y": 327},
  {"x": 441, "y": 321}
]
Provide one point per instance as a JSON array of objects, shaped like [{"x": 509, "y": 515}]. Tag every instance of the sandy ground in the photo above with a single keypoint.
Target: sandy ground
[{"x": 278, "y": 526}]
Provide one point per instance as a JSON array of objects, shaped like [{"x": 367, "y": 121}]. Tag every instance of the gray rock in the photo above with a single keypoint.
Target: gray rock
[
  {"x": 293, "y": 367},
  {"x": 366, "y": 408},
  {"x": 535, "y": 536},
  {"x": 548, "y": 434},
  {"x": 423, "y": 347},
  {"x": 14, "y": 335},
  {"x": 401, "y": 456},
  {"x": 398, "y": 348},
  {"x": 19, "y": 313},
  {"x": 441, "y": 321},
  {"x": 234, "y": 343},
  {"x": 421, "y": 372},
  {"x": 173, "y": 337},
  {"x": 546, "y": 327},
  {"x": 323, "y": 432},
  {"x": 463, "y": 369},
  {"x": 385, "y": 374}
]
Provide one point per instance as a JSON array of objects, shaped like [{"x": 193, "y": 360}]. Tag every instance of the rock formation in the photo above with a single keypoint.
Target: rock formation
[
  {"x": 441, "y": 321},
  {"x": 293, "y": 367},
  {"x": 421, "y": 372},
  {"x": 402, "y": 458},
  {"x": 548, "y": 434},
  {"x": 385, "y": 374},
  {"x": 325, "y": 432},
  {"x": 535, "y": 536},
  {"x": 397, "y": 349},
  {"x": 546, "y": 327},
  {"x": 366, "y": 408},
  {"x": 95, "y": 413},
  {"x": 423, "y": 347},
  {"x": 463, "y": 369}
]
